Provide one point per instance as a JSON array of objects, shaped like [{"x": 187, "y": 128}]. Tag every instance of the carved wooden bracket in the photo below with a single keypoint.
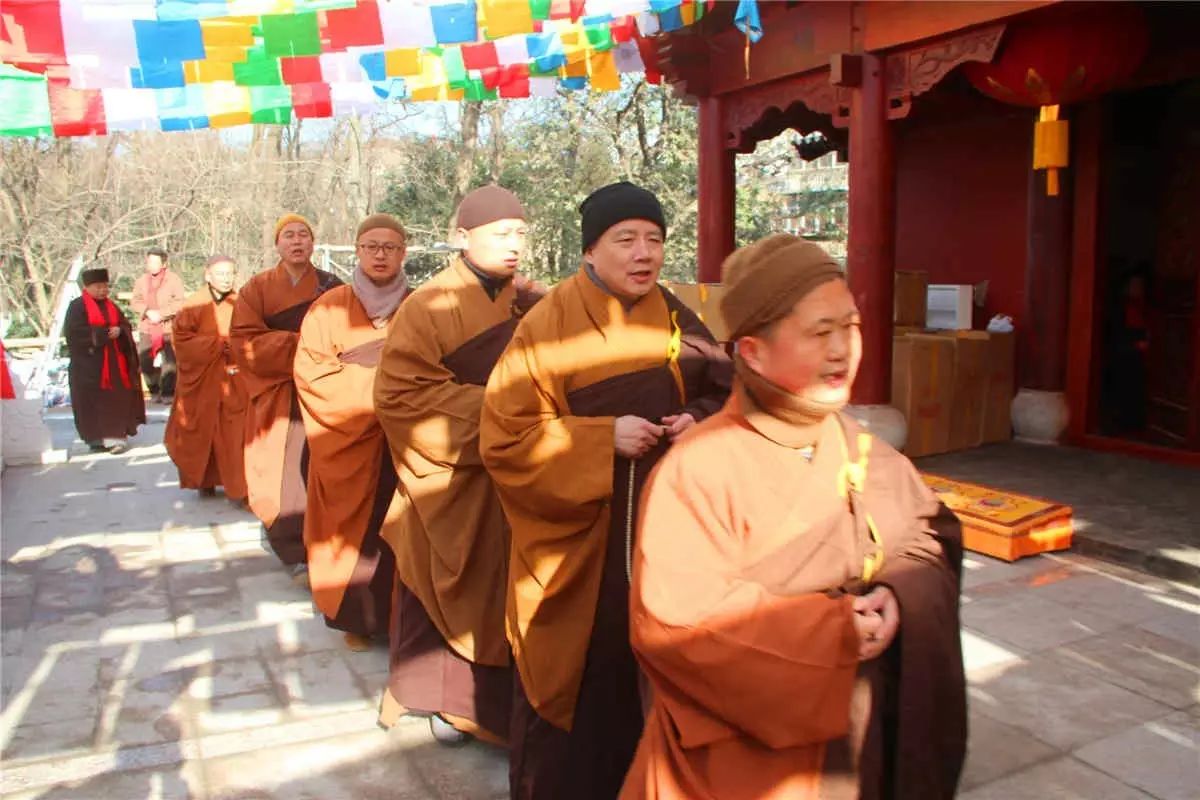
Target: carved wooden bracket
[
  {"x": 749, "y": 108},
  {"x": 917, "y": 70}
]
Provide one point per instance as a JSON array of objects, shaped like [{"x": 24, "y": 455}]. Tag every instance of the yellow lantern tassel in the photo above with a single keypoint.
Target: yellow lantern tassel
[
  {"x": 1051, "y": 144},
  {"x": 746, "y": 54}
]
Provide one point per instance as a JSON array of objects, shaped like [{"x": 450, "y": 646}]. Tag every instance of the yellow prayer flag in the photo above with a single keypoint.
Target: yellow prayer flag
[
  {"x": 442, "y": 92},
  {"x": 207, "y": 71},
  {"x": 227, "y": 105},
  {"x": 688, "y": 12},
  {"x": 227, "y": 32},
  {"x": 402, "y": 61},
  {"x": 575, "y": 69},
  {"x": 506, "y": 17},
  {"x": 603, "y": 69},
  {"x": 225, "y": 55}
]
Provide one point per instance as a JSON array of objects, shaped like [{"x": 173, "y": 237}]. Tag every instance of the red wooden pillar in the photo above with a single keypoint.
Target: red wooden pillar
[
  {"x": 1042, "y": 334},
  {"x": 871, "y": 249},
  {"x": 716, "y": 193}
]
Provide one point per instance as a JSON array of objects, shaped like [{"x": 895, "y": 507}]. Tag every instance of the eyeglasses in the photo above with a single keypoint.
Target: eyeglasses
[{"x": 388, "y": 249}]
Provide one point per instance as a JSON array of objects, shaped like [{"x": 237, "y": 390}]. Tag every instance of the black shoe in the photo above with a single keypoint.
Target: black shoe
[
  {"x": 208, "y": 492},
  {"x": 97, "y": 448}
]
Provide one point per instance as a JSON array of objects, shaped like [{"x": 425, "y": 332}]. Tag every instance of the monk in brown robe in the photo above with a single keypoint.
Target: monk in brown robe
[
  {"x": 795, "y": 584},
  {"x": 158, "y": 294},
  {"x": 351, "y": 479},
  {"x": 106, "y": 388},
  {"x": 265, "y": 330},
  {"x": 600, "y": 377},
  {"x": 449, "y": 655},
  {"x": 206, "y": 433}
]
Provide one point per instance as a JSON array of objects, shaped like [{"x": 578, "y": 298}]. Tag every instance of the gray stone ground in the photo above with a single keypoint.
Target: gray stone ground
[{"x": 151, "y": 649}]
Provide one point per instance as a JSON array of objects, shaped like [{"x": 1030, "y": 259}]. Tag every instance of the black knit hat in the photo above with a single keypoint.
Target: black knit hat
[
  {"x": 611, "y": 204},
  {"x": 90, "y": 276}
]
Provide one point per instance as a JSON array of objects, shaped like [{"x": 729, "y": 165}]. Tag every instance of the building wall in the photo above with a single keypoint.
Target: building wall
[{"x": 961, "y": 192}]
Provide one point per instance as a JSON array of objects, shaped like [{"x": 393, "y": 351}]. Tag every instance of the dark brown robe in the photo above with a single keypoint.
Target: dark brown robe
[
  {"x": 449, "y": 654},
  {"x": 578, "y": 361},
  {"x": 264, "y": 334},
  {"x": 100, "y": 414}
]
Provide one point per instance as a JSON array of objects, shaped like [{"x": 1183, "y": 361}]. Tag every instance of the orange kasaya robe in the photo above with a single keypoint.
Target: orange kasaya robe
[
  {"x": 447, "y": 528},
  {"x": 264, "y": 333},
  {"x": 205, "y": 435},
  {"x": 578, "y": 361},
  {"x": 745, "y": 571},
  {"x": 350, "y": 479}
]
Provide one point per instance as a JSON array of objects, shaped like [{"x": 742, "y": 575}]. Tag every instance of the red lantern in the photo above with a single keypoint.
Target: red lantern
[{"x": 1070, "y": 54}]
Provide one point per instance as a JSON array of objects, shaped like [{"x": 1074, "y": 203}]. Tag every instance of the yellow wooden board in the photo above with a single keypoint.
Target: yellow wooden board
[{"x": 1004, "y": 524}]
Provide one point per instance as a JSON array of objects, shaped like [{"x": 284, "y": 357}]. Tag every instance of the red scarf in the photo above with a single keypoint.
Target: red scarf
[{"x": 107, "y": 319}]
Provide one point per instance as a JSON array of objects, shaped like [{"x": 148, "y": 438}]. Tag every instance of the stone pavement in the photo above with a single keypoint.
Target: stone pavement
[{"x": 151, "y": 649}]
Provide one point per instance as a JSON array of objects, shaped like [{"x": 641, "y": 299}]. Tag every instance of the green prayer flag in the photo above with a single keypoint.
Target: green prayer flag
[
  {"x": 540, "y": 8},
  {"x": 291, "y": 35},
  {"x": 24, "y": 103},
  {"x": 476, "y": 90},
  {"x": 271, "y": 105},
  {"x": 599, "y": 37},
  {"x": 456, "y": 70},
  {"x": 258, "y": 69}
]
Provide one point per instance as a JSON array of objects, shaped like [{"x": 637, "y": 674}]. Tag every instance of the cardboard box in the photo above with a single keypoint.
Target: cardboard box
[
  {"x": 971, "y": 350},
  {"x": 1002, "y": 524},
  {"x": 1000, "y": 387},
  {"x": 923, "y": 390},
  {"x": 705, "y": 300},
  {"x": 910, "y": 298},
  {"x": 949, "y": 306}
]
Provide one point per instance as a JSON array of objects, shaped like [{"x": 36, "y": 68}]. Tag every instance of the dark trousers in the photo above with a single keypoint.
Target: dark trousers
[{"x": 160, "y": 380}]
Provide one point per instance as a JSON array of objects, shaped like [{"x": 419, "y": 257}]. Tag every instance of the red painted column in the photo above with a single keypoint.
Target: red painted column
[
  {"x": 716, "y": 193},
  {"x": 1042, "y": 332},
  {"x": 871, "y": 249}
]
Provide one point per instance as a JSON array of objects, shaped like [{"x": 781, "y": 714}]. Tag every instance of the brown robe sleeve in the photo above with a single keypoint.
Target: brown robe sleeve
[
  {"x": 929, "y": 738},
  {"x": 335, "y": 396},
  {"x": 716, "y": 379},
  {"x": 412, "y": 382},
  {"x": 264, "y": 356},
  {"x": 727, "y": 656},
  {"x": 541, "y": 457},
  {"x": 192, "y": 346}
]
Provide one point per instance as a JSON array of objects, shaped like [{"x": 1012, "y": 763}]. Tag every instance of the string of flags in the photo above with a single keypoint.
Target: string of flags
[{"x": 89, "y": 67}]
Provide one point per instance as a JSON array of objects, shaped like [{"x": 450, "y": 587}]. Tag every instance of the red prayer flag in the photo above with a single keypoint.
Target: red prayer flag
[
  {"x": 310, "y": 100},
  {"x": 6, "y": 385},
  {"x": 31, "y": 33},
  {"x": 624, "y": 29},
  {"x": 352, "y": 27},
  {"x": 649, "y": 51},
  {"x": 76, "y": 112},
  {"x": 514, "y": 81},
  {"x": 480, "y": 56},
  {"x": 301, "y": 69}
]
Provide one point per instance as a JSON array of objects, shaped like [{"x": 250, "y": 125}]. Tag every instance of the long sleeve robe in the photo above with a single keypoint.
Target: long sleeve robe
[
  {"x": 577, "y": 362},
  {"x": 350, "y": 476},
  {"x": 205, "y": 435},
  {"x": 745, "y": 570},
  {"x": 449, "y": 535},
  {"x": 168, "y": 298},
  {"x": 264, "y": 333},
  {"x": 102, "y": 413}
]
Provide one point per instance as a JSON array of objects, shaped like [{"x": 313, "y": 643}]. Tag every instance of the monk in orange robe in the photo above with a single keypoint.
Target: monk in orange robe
[
  {"x": 795, "y": 584},
  {"x": 205, "y": 435},
  {"x": 350, "y": 474},
  {"x": 264, "y": 333},
  {"x": 449, "y": 655},
  {"x": 600, "y": 377}
]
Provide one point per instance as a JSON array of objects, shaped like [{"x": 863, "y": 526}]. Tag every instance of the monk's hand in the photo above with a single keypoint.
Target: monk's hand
[
  {"x": 881, "y": 620},
  {"x": 114, "y": 332},
  {"x": 677, "y": 424},
  {"x": 633, "y": 436},
  {"x": 526, "y": 283}
]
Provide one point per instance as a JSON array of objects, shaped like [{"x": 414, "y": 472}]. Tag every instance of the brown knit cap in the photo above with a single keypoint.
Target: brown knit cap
[
  {"x": 765, "y": 279},
  {"x": 381, "y": 221},
  {"x": 488, "y": 204}
]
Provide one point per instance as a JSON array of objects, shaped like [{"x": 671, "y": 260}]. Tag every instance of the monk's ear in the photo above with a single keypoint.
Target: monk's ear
[
  {"x": 753, "y": 352},
  {"x": 460, "y": 239}
]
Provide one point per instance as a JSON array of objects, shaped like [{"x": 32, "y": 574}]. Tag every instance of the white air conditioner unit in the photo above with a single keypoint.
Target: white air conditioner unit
[{"x": 949, "y": 306}]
